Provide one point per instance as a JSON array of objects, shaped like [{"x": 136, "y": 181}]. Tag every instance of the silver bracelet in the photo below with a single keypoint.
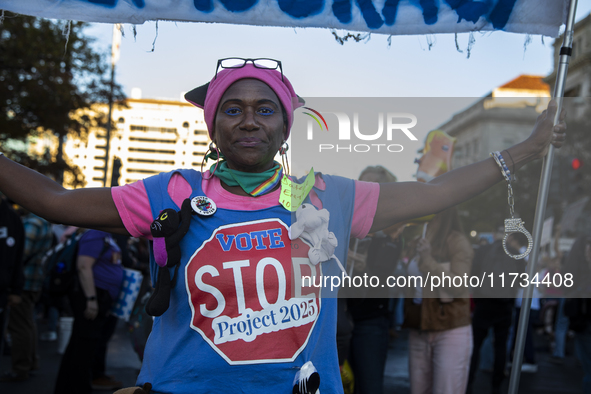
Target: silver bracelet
[{"x": 513, "y": 225}]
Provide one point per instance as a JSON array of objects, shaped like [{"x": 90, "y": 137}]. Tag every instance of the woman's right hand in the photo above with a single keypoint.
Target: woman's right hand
[{"x": 545, "y": 132}]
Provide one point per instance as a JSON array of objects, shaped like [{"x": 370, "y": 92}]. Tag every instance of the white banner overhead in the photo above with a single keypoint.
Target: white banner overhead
[{"x": 377, "y": 16}]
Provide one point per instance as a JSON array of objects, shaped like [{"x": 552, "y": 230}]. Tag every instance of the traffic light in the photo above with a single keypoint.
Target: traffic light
[
  {"x": 575, "y": 186},
  {"x": 116, "y": 172},
  {"x": 576, "y": 163}
]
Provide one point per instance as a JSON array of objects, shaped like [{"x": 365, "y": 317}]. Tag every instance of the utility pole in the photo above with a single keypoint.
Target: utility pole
[{"x": 115, "y": 46}]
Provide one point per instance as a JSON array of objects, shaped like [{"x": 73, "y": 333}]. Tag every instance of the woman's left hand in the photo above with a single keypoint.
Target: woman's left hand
[{"x": 546, "y": 133}]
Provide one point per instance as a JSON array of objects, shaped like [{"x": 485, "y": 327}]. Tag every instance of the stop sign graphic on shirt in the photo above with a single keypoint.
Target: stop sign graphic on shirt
[{"x": 245, "y": 293}]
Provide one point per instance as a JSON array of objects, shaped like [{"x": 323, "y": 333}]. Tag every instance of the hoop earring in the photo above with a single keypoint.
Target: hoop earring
[
  {"x": 283, "y": 152},
  {"x": 211, "y": 152}
]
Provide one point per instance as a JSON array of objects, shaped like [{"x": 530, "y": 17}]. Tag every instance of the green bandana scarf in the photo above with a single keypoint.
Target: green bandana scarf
[{"x": 254, "y": 183}]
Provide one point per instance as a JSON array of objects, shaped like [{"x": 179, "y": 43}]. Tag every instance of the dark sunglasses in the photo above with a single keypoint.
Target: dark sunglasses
[{"x": 237, "y": 62}]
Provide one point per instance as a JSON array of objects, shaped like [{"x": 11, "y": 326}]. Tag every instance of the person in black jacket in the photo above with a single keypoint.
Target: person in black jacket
[
  {"x": 379, "y": 254},
  {"x": 12, "y": 240},
  {"x": 371, "y": 316},
  {"x": 578, "y": 308},
  {"x": 493, "y": 306}
]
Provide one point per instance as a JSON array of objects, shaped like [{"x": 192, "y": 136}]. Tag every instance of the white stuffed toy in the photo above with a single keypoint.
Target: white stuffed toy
[{"x": 312, "y": 226}]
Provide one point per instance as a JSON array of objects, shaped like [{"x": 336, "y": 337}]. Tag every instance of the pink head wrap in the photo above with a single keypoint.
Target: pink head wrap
[{"x": 209, "y": 95}]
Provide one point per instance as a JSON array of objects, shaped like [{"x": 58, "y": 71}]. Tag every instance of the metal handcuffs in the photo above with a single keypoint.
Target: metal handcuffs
[{"x": 516, "y": 225}]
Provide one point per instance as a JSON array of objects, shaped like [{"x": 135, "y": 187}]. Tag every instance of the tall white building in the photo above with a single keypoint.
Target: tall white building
[{"x": 151, "y": 136}]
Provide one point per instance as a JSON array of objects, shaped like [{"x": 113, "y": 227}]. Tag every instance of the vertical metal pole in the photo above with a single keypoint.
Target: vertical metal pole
[
  {"x": 115, "y": 44},
  {"x": 565, "y": 53},
  {"x": 109, "y": 120}
]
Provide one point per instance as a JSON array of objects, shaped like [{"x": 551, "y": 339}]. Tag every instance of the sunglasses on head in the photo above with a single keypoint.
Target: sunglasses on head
[{"x": 238, "y": 62}]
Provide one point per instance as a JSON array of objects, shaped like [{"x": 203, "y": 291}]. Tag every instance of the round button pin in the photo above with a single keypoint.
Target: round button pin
[{"x": 203, "y": 206}]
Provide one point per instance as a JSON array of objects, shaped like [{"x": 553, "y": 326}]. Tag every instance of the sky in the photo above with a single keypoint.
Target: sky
[
  {"x": 176, "y": 57},
  {"x": 167, "y": 59}
]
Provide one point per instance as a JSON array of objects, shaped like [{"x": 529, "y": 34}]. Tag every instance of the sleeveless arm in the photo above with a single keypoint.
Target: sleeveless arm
[{"x": 88, "y": 208}]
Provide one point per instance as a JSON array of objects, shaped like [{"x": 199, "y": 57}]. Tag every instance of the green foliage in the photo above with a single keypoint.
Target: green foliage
[{"x": 48, "y": 72}]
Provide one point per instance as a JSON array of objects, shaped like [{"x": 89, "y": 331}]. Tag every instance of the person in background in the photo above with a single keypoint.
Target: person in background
[
  {"x": 139, "y": 253},
  {"x": 22, "y": 324},
  {"x": 371, "y": 316},
  {"x": 493, "y": 307},
  {"x": 529, "y": 355},
  {"x": 440, "y": 338},
  {"x": 550, "y": 312},
  {"x": 344, "y": 334},
  {"x": 560, "y": 333},
  {"x": 561, "y": 320},
  {"x": 12, "y": 242},
  {"x": 578, "y": 306},
  {"x": 100, "y": 275},
  {"x": 54, "y": 305},
  {"x": 100, "y": 379},
  {"x": 139, "y": 324}
]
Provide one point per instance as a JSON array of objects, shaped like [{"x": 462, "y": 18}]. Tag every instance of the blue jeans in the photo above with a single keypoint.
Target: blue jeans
[
  {"x": 53, "y": 315},
  {"x": 529, "y": 355},
  {"x": 487, "y": 356},
  {"x": 560, "y": 330},
  {"x": 583, "y": 350},
  {"x": 399, "y": 312}
]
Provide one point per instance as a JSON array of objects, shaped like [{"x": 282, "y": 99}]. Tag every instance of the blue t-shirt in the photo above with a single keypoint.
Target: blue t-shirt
[
  {"x": 237, "y": 320},
  {"x": 107, "y": 269}
]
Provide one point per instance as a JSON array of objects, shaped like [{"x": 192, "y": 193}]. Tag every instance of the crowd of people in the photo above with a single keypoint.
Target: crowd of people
[
  {"x": 454, "y": 332},
  {"x": 25, "y": 298},
  {"x": 229, "y": 311},
  {"x": 444, "y": 352}
]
